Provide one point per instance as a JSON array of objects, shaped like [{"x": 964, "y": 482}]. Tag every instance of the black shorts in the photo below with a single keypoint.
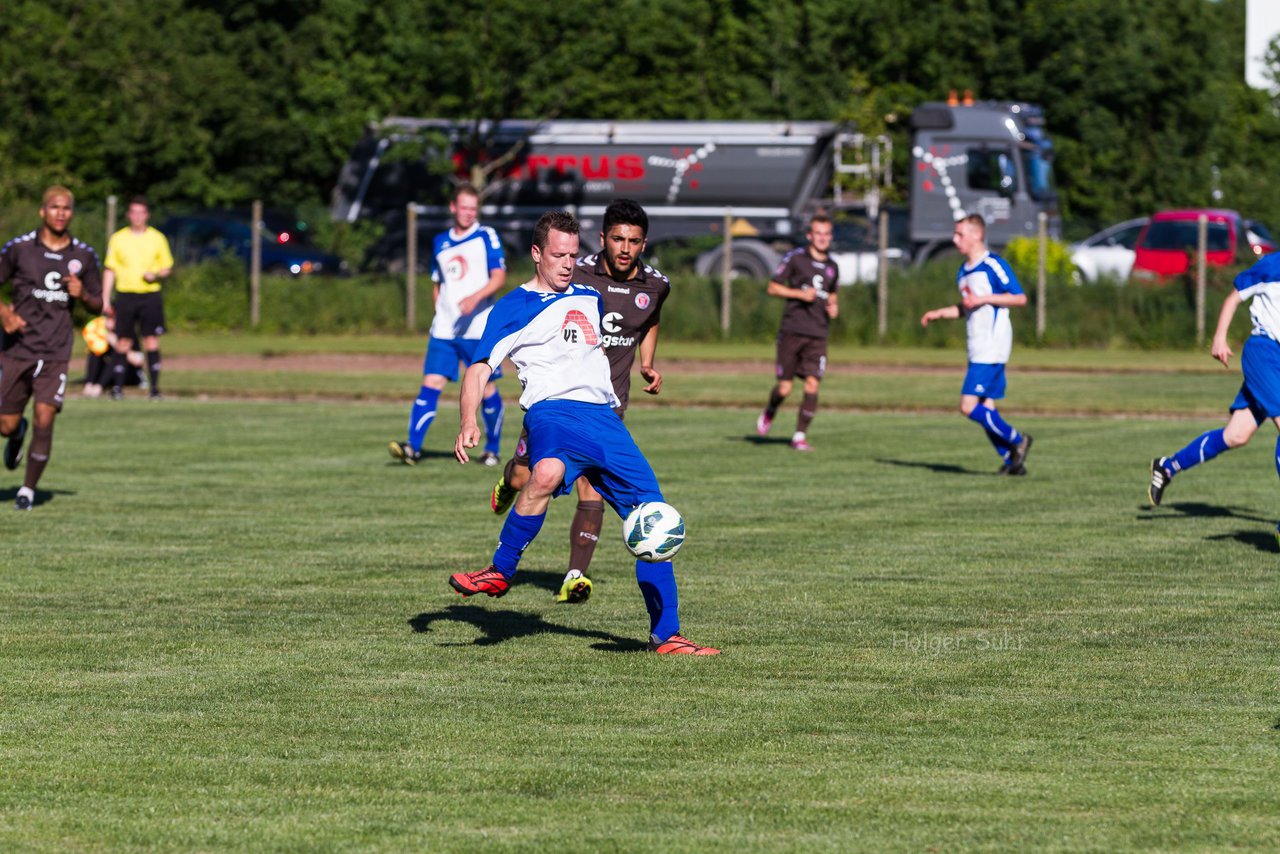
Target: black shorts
[
  {"x": 801, "y": 356},
  {"x": 21, "y": 380},
  {"x": 139, "y": 315}
]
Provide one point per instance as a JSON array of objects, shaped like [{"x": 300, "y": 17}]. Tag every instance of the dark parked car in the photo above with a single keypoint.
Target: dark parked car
[{"x": 210, "y": 234}]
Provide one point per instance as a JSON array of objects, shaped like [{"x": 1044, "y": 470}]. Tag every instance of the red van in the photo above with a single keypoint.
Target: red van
[{"x": 1167, "y": 244}]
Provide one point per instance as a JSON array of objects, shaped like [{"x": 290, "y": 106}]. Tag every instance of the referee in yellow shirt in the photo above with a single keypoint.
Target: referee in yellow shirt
[{"x": 138, "y": 260}]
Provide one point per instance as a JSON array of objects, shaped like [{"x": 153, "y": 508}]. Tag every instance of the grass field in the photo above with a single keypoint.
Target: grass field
[{"x": 226, "y": 627}]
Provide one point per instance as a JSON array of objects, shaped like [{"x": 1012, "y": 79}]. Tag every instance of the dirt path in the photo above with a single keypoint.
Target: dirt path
[{"x": 381, "y": 363}]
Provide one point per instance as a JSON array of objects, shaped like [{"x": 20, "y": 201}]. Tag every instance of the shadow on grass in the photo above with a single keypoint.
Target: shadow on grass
[
  {"x": 1200, "y": 510},
  {"x": 763, "y": 440},
  {"x": 428, "y": 455},
  {"x": 497, "y": 626},
  {"x": 937, "y": 468},
  {"x": 43, "y": 496},
  {"x": 1263, "y": 541}
]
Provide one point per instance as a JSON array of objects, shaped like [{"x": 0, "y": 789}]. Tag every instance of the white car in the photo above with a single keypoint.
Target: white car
[
  {"x": 863, "y": 268},
  {"x": 1107, "y": 254},
  {"x": 856, "y": 246}
]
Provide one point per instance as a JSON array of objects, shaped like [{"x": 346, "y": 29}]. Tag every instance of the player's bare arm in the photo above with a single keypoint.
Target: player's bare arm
[
  {"x": 777, "y": 289},
  {"x": 497, "y": 279},
  {"x": 473, "y": 383},
  {"x": 833, "y": 306},
  {"x": 10, "y": 319},
  {"x": 1220, "y": 349},
  {"x": 970, "y": 301},
  {"x": 75, "y": 287},
  {"x": 947, "y": 312},
  {"x": 648, "y": 351},
  {"x": 157, "y": 275},
  {"x": 108, "y": 285}
]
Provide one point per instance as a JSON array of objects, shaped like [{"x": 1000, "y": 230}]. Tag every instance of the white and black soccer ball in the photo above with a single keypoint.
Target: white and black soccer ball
[{"x": 654, "y": 531}]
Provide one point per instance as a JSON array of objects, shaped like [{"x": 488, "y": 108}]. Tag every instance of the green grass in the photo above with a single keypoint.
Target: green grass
[
  {"x": 226, "y": 627},
  {"x": 1041, "y": 381}
]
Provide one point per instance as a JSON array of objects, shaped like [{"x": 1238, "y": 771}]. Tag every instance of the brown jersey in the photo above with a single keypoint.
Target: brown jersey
[
  {"x": 630, "y": 310},
  {"x": 35, "y": 274},
  {"x": 799, "y": 269}
]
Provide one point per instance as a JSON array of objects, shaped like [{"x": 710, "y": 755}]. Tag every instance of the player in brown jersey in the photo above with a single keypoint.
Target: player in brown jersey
[
  {"x": 807, "y": 278},
  {"x": 45, "y": 269},
  {"x": 633, "y": 294}
]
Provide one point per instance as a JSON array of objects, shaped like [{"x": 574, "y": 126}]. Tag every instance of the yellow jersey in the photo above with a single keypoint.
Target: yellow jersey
[{"x": 130, "y": 254}]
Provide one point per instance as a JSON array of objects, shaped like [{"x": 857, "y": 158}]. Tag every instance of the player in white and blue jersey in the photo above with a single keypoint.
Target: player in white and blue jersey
[
  {"x": 550, "y": 328},
  {"x": 988, "y": 289},
  {"x": 468, "y": 268},
  {"x": 1259, "y": 396}
]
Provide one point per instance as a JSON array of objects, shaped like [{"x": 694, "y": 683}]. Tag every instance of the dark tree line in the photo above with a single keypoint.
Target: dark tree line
[{"x": 217, "y": 103}]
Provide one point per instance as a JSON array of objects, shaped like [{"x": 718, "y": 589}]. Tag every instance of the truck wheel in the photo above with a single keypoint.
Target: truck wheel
[{"x": 746, "y": 264}]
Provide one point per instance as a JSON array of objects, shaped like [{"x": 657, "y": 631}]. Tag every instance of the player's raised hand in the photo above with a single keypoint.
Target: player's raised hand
[
  {"x": 652, "y": 376},
  {"x": 74, "y": 286}
]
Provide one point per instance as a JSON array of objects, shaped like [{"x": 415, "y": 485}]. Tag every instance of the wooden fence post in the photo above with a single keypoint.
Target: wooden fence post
[
  {"x": 882, "y": 278},
  {"x": 411, "y": 269},
  {"x": 726, "y": 273},
  {"x": 112, "y": 201},
  {"x": 1202, "y": 247},
  {"x": 255, "y": 265},
  {"x": 1040, "y": 275}
]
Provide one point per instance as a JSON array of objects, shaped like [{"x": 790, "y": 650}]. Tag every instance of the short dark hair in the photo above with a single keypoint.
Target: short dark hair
[
  {"x": 138, "y": 200},
  {"x": 465, "y": 189},
  {"x": 976, "y": 219},
  {"x": 625, "y": 212},
  {"x": 818, "y": 219},
  {"x": 558, "y": 220}
]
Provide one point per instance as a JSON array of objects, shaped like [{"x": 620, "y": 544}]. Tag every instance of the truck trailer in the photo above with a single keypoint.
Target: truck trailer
[{"x": 992, "y": 158}]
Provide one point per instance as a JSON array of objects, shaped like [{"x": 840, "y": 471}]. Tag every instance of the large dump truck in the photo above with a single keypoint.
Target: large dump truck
[{"x": 768, "y": 176}]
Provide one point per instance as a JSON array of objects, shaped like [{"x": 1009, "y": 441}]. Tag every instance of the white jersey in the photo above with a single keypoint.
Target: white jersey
[
  {"x": 1260, "y": 284},
  {"x": 555, "y": 343},
  {"x": 989, "y": 331},
  {"x": 461, "y": 265}
]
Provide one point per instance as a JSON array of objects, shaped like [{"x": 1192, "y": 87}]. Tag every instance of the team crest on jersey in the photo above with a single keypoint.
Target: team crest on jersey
[
  {"x": 577, "y": 327},
  {"x": 455, "y": 268},
  {"x": 74, "y": 266},
  {"x": 642, "y": 300}
]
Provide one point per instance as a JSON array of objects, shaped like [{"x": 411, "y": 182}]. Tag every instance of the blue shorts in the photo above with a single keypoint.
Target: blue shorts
[
  {"x": 590, "y": 439},
  {"x": 1260, "y": 393},
  {"x": 985, "y": 381},
  {"x": 444, "y": 354}
]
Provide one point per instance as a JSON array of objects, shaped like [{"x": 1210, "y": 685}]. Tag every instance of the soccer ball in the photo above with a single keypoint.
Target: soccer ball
[{"x": 654, "y": 531}]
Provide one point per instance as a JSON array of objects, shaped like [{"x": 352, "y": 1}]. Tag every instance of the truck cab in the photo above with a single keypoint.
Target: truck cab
[{"x": 991, "y": 158}]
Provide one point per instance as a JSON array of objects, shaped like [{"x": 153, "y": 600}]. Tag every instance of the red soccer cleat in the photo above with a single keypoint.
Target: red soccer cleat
[
  {"x": 487, "y": 580},
  {"x": 680, "y": 645}
]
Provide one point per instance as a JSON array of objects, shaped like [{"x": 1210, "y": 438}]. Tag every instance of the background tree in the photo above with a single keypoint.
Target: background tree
[{"x": 216, "y": 103}]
